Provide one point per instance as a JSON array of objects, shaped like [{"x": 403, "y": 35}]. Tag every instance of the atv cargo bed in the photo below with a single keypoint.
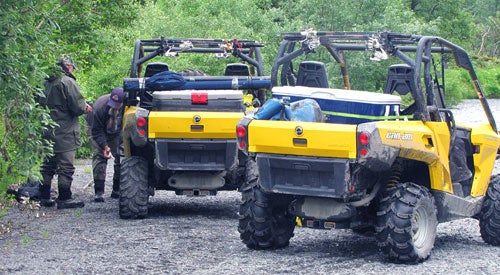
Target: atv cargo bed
[{"x": 345, "y": 106}]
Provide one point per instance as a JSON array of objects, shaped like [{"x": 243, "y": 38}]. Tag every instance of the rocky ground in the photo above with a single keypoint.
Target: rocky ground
[{"x": 198, "y": 235}]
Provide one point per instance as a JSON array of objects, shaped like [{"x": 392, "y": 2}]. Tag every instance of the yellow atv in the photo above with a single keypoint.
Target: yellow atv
[
  {"x": 394, "y": 162},
  {"x": 178, "y": 127}
]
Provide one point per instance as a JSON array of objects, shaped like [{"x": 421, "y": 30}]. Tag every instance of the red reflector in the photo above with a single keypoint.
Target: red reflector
[
  {"x": 364, "y": 138},
  {"x": 142, "y": 132},
  {"x": 242, "y": 145},
  {"x": 241, "y": 131},
  {"x": 199, "y": 98},
  {"x": 141, "y": 122},
  {"x": 363, "y": 152}
]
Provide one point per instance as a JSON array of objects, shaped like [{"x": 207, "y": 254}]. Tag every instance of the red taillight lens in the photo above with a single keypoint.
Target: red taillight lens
[
  {"x": 364, "y": 138},
  {"x": 142, "y": 132},
  {"x": 199, "y": 98},
  {"x": 141, "y": 122},
  {"x": 241, "y": 131},
  {"x": 242, "y": 145},
  {"x": 363, "y": 152}
]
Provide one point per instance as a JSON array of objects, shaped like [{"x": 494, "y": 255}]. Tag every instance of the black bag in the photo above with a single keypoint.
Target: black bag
[{"x": 29, "y": 189}]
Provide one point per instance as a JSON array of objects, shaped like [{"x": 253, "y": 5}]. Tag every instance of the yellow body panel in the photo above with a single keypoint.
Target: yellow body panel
[
  {"x": 428, "y": 142},
  {"x": 484, "y": 137},
  {"x": 317, "y": 139},
  {"x": 193, "y": 124}
]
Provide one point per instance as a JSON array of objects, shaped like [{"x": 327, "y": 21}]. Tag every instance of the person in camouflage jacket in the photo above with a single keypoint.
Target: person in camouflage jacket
[
  {"x": 104, "y": 127},
  {"x": 66, "y": 103}
]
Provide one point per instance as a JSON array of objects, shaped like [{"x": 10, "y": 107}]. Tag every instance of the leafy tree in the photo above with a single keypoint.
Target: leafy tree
[
  {"x": 24, "y": 47},
  {"x": 33, "y": 34}
]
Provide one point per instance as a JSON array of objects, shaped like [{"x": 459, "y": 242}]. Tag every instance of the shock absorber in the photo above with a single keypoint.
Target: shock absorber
[{"x": 395, "y": 176}]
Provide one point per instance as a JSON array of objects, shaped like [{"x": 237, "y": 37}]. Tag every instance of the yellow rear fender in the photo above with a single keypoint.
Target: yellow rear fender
[
  {"x": 415, "y": 140},
  {"x": 486, "y": 143},
  {"x": 131, "y": 132}
]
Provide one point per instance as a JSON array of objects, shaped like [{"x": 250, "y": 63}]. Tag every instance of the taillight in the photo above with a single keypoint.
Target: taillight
[
  {"x": 141, "y": 123},
  {"x": 199, "y": 98},
  {"x": 241, "y": 131},
  {"x": 241, "y": 135},
  {"x": 242, "y": 145},
  {"x": 364, "y": 138},
  {"x": 363, "y": 144}
]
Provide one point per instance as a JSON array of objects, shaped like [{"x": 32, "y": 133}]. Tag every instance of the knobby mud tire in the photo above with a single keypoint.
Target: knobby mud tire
[
  {"x": 235, "y": 177},
  {"x": 407, "y": 223},
  {"x": 134, "y": 195},
  {"x": 264, "y": 222},
  {"x": 489, "y": 218}
]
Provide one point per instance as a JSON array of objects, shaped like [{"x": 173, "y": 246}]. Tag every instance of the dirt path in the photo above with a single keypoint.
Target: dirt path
[{"x": 185, "y": 235}]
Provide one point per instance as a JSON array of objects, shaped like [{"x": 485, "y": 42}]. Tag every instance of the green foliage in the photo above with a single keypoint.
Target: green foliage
[
  {"x": 33, "y": 35},
  {"x": 85, "y": 151},
  {"x": 24, "y": 47},
  {"x": 459, "y": 86}
]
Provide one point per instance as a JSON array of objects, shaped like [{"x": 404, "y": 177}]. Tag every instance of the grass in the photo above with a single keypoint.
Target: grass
[
  {"x": 78, "y": 213},
  {"x": 26, "y": 239},
  {"x": 45, "y": 233}
]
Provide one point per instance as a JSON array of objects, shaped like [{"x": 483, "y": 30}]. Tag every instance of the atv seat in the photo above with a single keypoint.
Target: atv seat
[
  {"x": 312, "y": 74},
  {"x": 154, "y": 68},
  {"x": 237, "y": 69},
  {"x": 400, "y": 79}
]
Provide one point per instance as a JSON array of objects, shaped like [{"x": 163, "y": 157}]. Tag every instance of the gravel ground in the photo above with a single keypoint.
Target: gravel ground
[{"x": 198, "y": 235}]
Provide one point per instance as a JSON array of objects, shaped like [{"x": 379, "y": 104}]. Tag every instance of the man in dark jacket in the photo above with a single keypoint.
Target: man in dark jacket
[
  {"x": 105, "y": 123},
  {"x": 66, "y": 104}
]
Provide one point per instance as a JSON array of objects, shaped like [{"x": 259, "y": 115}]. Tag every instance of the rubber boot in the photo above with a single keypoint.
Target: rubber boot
[
  {"x": 98, "y": 190},
  {"x": 44, "y": 188},
  {"x": 65, "y": 199}
]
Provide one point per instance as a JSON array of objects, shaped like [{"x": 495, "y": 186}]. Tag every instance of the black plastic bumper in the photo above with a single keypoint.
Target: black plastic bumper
[{"x": 306, "y": 176}]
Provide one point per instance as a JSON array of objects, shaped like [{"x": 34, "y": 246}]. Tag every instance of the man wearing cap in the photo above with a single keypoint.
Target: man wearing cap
[
  {"x": 66, "y": 104},
  {"x": 105, "y": 123}
]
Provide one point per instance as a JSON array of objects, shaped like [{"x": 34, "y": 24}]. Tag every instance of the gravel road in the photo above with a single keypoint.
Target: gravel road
[{"x": 198, "y": 235}]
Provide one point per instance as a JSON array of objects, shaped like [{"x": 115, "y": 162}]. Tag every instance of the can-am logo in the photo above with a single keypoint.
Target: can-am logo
[{"x": 399, "y": 136}]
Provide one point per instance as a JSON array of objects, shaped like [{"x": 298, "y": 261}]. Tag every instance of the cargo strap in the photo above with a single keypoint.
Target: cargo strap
[{"x": 406, "y": 117}]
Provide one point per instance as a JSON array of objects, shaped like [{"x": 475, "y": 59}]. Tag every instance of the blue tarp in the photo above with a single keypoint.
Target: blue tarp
[
  {"x": 165, "y": 81},
  {"x": 303, "y": 110}
]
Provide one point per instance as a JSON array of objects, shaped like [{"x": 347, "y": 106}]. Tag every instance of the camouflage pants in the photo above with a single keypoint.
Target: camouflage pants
[
  {"x": 100, "y": 163},
  {"x": 62, "y": 165}
]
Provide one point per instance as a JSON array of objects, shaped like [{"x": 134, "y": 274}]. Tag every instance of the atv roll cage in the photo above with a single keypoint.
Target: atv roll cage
[
  {"x": 147, "y": 49},
  {"x": 381, "y": 45},
  {"x": 248, "y": 51}
]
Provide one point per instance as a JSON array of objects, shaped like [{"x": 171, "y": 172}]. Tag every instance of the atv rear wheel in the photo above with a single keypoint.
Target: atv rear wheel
[
  {"x": 134, "y": 188},
  {"x": 489, "y": 218},
  {"x": 264, "y": 222},
  {"x": 407, "y": 223}
]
